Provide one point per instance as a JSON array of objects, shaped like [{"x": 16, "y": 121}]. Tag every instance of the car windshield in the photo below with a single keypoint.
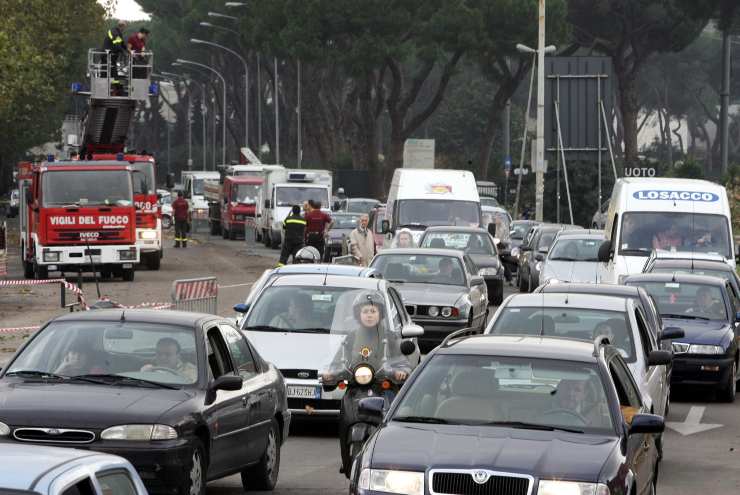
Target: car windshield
[
  {"x": 572, "y": 323},
  {"x": 144, "y": 182},
  {"x": 156, "y": 353},
  {"x": 644, "y": 232},
  {"x": 418, "y": 268},
  {"x": 546, "y": 239},
  {"x": 87, "y": 188},
  {"x": 344, "y": 221},
  {"x": 429, "y": 212},
  {"x": 520, "y": 392},
  {"x": 687, "y": 300},
  {"x": 570, "y": 249},
  {"x": 361, "y": 206},
  {"x": 488, "y": 201},
  {"x": 519, "y": 230},
  {"x": 245, "y": 193},
  {"x": 472, "y": 243},
  {"x": 198, "y": 186},
  {"x": 289, "y": 196},
  {"x": 500, "y": 221}
]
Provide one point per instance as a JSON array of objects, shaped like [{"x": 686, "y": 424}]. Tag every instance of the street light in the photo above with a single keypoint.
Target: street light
[
  {"x": 216, "y": 26},
  {"x": 204, "y": 107},
  {"x": 223, "y": 16},
  {"x": 235, "y": 4},
  {"x": 223, "y": 109},
  {"x": 246, "y": 82}
]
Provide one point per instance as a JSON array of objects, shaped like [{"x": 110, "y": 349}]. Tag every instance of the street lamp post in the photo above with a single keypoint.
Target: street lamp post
[
  {"x": 223, "y": 109},
  {"x": 202, "y": 115},
  {"x": 246, "y": 82}
]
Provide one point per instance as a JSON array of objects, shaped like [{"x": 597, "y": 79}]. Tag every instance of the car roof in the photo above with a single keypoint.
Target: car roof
[
  {"x": 555, "y": 227},
  {"x": 324, "y": 269},
  {"x": 696, "y": 264},
  {"x": 521, "y": 345},
  {"x": 422, "y": 252},
  {"x": 179, "y": 318},
  {"x": 566, "y": 300},
  {"x": 319, "y": 280},
  {"x": 595, "y": 289},
  {"x": 350, "y": 200},
  {"x": 687, "y": 255},
  {"x": 582, "y": 234},
  {"x": 22, "y": 465},
  {"x": 685, "y": 278},
  {"x": 452, "y": 228}
]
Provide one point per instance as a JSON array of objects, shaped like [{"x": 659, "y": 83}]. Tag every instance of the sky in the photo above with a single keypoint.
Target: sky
[{"x": 129, "y": 10}]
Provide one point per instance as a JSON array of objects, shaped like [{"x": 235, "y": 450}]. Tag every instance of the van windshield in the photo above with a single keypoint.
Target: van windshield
[
  {"x": 429, "y": 212},
  {"x": 289, "y": 196},
  {"x": 643, "y": 232}
]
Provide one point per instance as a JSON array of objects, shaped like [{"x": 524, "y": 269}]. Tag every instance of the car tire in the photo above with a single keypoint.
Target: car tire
[
  {"x": 166, "y": 222},
  {"x": 128, "y": 274},
  {"x": 520, "y": 282},
  {"x": 195, "y": 472},
  {"x": 498, "y": 294},
  {"x": 264, "y": 475},
  {"x": 27, "y": 266},
  {"x": 729, "y": 390},
  {"x": 266, "y": 238},
  {"x": 530, "y": 283}
]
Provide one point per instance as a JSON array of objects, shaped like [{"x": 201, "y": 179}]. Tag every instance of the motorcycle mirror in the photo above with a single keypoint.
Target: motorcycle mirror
[
  {"x": 372, "y": 406},
  {"x": 408, "y": 347}
]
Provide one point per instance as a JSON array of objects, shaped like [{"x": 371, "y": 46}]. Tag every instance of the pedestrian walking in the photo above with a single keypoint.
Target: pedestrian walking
[
  {"x": 362, "y": 242},
  {"x": 294, "y": 227},
  {"x": 317, "y": 224},
  {"x": 182, "y": 225},
  {"x": 113, "y": 43}
]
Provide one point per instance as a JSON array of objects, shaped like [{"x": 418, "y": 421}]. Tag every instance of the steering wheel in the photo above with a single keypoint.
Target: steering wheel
[
  {"x": 168, "y": 370},
  {"x": 552, "y": 412}
]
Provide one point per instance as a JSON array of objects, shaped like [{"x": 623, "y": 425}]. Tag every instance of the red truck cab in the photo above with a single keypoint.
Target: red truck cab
[{"x": 232, "y": 205}]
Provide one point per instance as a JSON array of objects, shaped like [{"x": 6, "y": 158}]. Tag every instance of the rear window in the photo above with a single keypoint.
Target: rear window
[{"x": 687, "y": 300}]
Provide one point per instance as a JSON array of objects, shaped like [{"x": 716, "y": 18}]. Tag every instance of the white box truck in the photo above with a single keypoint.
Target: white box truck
[
  {"x": 421, "y": 198},
  {"x": 193, "y": 186},
  {"x": 647, "y": 214}
]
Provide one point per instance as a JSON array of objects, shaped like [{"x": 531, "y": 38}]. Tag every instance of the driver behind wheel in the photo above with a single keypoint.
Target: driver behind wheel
[
  {"x": 573, "y": 396},
  {"x": 168, "y": 357}
]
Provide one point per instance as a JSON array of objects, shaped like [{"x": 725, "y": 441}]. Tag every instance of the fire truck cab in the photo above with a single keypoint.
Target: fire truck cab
[
  {"x": 232, "y": 204},
  {"x": 77, "y": 216}
]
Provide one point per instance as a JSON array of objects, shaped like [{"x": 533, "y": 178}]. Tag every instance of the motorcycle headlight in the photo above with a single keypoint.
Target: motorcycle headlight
[
  {"x": 4, "y": 430},
  {"x": 139, "y": 432},
  {"x": 538, "y": 266},
  {"x": 400, "y": 482},
  {"x": 490, "y": 272},
  {"x": 515, "y": 252},
  {"x": 552, "y": 487},
  {"x": 706, "y": 349},
  {"x": 433, "y": 311},
  {"x": 363, "y": 375}
]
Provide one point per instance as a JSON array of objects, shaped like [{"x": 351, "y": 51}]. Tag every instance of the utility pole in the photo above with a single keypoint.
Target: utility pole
[
  {"x": 298, "y": 110},
  {"x": 540, "y": 142},
  {"x": 724, "y": 112},
  {"x": 275, "y": 101},
  {"x": 507, "y": 148}
]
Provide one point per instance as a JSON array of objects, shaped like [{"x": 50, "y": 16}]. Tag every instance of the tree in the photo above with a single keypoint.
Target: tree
[{"x": 630, "y": 31}]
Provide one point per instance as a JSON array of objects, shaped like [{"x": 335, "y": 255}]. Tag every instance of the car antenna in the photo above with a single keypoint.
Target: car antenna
[
  {"x": 326, "y": 275},
  {"x": 123, "y": 316}
]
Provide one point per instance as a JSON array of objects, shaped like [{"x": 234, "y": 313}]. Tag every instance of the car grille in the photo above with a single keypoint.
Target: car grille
[
  {"x": 479, "y": 482},
  {"x": 302, "y": 374},
  {"x": 53, "y": 435}
]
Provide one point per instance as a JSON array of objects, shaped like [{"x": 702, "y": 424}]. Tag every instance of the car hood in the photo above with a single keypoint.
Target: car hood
[
  {"x": 296, "y": 351},
  {"x": 700, "y": 331},
  {"x": 538, "y": 453},
  {"x": 78, "y": 405},
  {"x": 430, "y": 294},
  {"x": 484, "y": 260},
  {"x": 587, "y": 272}
]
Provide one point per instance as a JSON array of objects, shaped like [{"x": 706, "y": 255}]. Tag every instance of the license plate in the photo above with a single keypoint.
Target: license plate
[{"x": 304, "y": 392}]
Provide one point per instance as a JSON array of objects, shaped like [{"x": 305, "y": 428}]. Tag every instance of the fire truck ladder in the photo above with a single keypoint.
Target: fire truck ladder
[{"x": 112, "y": 101}]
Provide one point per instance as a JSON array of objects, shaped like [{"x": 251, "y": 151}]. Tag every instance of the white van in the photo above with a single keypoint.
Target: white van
[
  {"x": 193, "y": 183},
  {"x": 421, "y": 198},
  {"x": 664, "y": 214}
]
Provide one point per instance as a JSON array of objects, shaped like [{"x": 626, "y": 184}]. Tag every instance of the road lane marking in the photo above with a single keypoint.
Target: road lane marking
[{"x": 692, "y": 424}]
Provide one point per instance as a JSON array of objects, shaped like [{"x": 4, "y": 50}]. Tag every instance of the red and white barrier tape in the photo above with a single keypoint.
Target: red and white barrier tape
[
  {"x": 19, "y": 329},
  {"x": 67, "y": 285}
]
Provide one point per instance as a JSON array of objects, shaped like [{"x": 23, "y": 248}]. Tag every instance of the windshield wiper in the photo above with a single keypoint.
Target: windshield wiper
[
  {"x": 634, "y": 252},
  {"x": 533, "y": 426},
  {"x": 421, "y": 419},
  {"x": 35, "y": 373},
  {"x": 266, "y": 328},
  {"x": 563, "y": 259},
  {"x": 311, "y": 330},
  {"x": 686, "y": 317},
  {"x": 109, "y": 379}
]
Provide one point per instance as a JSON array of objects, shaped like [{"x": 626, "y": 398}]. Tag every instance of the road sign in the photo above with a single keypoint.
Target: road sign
[
  {"x": 418, "y": 153},
  {"x": 524, "y": 171}
]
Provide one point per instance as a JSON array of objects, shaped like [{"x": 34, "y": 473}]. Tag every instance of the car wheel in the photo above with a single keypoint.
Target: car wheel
[
  {"x": 166, "y": 222},
  {"x": 498, "y": 294},
  {"x": 41, "y": 272},
  {"x": 195, "y": 473},
  {"x": 153, "y": 260},
  {"x": 530, "y": 283},
  {"x": 264, "y": 475},
  {"x": 729, "y": 390}
]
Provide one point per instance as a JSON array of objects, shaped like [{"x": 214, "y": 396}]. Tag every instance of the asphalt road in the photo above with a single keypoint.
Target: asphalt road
[{"x": 705, "y": 459}]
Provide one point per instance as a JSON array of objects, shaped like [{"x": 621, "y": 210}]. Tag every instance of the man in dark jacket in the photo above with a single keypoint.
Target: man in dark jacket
[
  {"x": 114, "y": 43},
  {"x": 180, "y": 212},
  {"x": 294, "y": 227}
]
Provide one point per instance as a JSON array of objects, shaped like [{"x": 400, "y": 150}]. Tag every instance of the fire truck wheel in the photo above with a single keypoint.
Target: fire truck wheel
[
  {"x": 128, "y": 275},
  {"x": 41, "y": 272},
  {"x": 153, "y": 260},
  {"x": 232, "y": 235},
  {"x": 266, "y": 237}
]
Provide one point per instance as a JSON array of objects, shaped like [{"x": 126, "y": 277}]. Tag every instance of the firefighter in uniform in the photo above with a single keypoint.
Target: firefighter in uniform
[
  {"x": 114, "y": 44},
  {"x": 180, "y": 212},
  {"x": 294, "y": 227},
  {"x": 317, "y": 224}
]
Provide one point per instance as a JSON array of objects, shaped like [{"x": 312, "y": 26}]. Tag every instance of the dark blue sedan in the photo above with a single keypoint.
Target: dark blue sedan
[{"x": 706, "y": 309}]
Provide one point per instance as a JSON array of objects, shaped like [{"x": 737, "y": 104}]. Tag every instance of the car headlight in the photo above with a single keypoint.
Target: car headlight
[
  {"x": 363, "y": 375},
  {"x": 139, "y": 432},
  {"x": 489, "y": 272},
  {"x": 433, "y": 311},
  {"x": 447, "y": 311},
  {"x": 148, "y": 235},
  {"x": 538, "y": 266},
  {"x": 4, "y": 430},
  {"x": 515, "y": 252},
  {"x": 127, "y": 254},
  {"x": 51, "y": 256},
  {"x": 705, "y": 349},
  {"x": 401, "y": 482},
  {"x": 552, "y": 487}
]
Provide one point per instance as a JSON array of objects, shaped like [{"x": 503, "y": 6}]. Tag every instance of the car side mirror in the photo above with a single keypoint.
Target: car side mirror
[
  {"x": 241, "y": 308},
  {"x": 170, "y": 180},
  {"x": 605, "y": 252},
  {"x": 411, "y": 330},
  {"x": 671, "y": 333},
  {"x": 660, "y": 358},
  {"x": 539, "y": 257},
  {"x": 385, "y": 227},
  {"x": 477, "y": 280},
  {"x": 646, "y": 423},
  {"x": 408, "y": 347},
  {"x": 372, "y": 406},
  {"x": 737, "y": 317},
  {"x": 227, "y": 382}
]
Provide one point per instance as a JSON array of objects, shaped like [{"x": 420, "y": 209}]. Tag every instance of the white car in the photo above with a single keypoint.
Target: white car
[
  {"x": 57, "y": 471},
  {"x": 165, "y": 205}
]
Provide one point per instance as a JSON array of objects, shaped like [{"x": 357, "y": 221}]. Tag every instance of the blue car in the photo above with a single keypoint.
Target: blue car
[{"x": 706, "y": 309}]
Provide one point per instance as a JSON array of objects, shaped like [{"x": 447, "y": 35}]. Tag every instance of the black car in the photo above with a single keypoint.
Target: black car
[
  {"x": 533, "y": 252},
  {"x": 515, "y": 415},
  {"x": 706, "y": 309},
  {"x": 476, "y": 243},
  {"x": 510, "y": 251},
  {"x": 336, "y": 237},
  {"x": 712, "y": 268},
  {"x": 183, "y": 396}
]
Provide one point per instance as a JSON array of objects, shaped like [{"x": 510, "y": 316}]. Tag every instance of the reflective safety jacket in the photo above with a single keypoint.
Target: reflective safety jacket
[
  {"x": 294, "y": 227},
  {"x": 114, "y": 41}
]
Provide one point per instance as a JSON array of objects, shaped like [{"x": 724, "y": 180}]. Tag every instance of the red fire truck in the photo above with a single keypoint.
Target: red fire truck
[
  {"x": 77, "y": 216},
  {"x": 232, "y": 205},
  {"x": 148, "y": 215}
]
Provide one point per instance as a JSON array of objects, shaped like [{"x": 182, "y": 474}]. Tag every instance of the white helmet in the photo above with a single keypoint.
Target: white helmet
[{"x": 308, "y": 254}]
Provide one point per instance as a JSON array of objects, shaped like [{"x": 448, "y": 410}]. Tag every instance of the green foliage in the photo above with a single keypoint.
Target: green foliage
[{"x": 688, "y": 169}]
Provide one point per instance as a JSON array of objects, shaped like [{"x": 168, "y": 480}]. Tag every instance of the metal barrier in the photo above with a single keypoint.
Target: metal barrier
[
  {"x": 64, "y": 286},
  {"x": 134, "y": 70},
  {"x": 195, "y": 294}
]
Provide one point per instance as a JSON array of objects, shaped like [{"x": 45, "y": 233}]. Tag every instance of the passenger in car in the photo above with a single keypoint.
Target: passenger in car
[
  {"x": 615, "y": 330},
  {"x": 79, "y": 360},
  {"x": 168, "y": 356},
  {"x": 300, "y": 312}
]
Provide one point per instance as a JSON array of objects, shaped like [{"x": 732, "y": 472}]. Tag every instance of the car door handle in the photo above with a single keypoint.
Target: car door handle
[{"x": 244, "y": 401}]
